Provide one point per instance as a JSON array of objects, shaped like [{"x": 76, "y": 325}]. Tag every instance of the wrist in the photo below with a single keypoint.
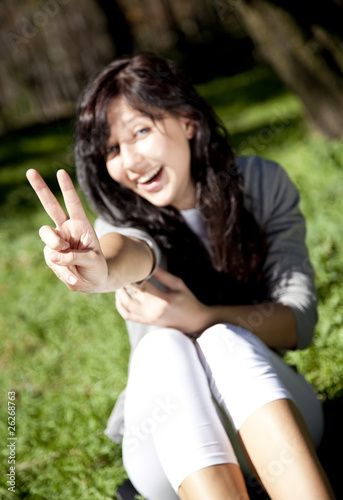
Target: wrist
[
  {"x": 219, "y": 314},
  {"x": 106, "y": 282},
  {"x": 211, "y": 316}
]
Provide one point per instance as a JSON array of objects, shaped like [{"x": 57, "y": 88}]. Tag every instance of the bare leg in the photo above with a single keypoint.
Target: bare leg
[
  {"x": 279, "y": 446},
  {"x": 217, "y": 482}
]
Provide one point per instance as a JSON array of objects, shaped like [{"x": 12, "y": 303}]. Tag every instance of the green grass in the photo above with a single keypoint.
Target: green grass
[{"x": 65, "y": 355}]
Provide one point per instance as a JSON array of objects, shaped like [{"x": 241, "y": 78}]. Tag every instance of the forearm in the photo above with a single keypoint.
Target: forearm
[
  {"x": 273, "y": 323},
  {"x": 128, "y": 260}
]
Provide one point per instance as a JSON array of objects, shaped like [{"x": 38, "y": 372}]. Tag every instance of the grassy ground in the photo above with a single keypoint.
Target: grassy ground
[{"x": 65, "y": 355}]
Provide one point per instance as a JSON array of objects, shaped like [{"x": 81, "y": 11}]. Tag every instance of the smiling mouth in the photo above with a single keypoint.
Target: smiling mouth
[{"x": 149, "y": 176}]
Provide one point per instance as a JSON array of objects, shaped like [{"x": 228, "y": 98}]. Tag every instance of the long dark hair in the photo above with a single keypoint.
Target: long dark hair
[{"x": 153, "y": 86}]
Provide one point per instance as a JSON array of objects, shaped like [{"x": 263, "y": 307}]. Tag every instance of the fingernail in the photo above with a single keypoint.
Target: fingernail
[
  {"x": 65, "y": 247},
  {"x": 72, "y": 280}
]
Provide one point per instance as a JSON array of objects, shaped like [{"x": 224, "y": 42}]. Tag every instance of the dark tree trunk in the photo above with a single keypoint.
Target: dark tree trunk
[
  {"x": 118, "y": 27},
  {"x": 311, "y": 66},
  {"x": 48, "y": 51}
]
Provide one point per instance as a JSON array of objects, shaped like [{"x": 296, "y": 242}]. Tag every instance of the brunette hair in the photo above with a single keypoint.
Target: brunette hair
[{"x": 153, "y": 85}]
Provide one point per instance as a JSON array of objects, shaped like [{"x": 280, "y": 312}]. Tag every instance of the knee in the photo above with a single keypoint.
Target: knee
[
  {"x": 225, "y": 334},
  {"x": 226, "y": 329},
  {"x": 161, "y": 339},
  {"x": 162, "y": 347},
  {"x": 231, "y": 341}
]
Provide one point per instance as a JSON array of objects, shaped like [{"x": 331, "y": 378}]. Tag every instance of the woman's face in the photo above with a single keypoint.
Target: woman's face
[{"x": 151, "y": 158}]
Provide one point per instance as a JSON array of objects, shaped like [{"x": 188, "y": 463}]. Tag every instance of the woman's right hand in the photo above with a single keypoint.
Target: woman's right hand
[{"x": 72, "y": 248}]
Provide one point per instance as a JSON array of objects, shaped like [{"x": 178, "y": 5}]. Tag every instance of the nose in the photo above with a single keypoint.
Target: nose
[{"x": 130, "y": 157}]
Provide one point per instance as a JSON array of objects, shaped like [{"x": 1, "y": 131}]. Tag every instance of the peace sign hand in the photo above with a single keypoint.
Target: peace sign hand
[{"x": 72, "y": 248}]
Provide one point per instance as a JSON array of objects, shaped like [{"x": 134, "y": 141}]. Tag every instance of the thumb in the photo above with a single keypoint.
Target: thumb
[{"x": 169, "y": 280}]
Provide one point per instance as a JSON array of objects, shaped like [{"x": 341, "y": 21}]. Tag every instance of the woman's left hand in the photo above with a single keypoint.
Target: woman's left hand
[{"x": 176, "y": 307}]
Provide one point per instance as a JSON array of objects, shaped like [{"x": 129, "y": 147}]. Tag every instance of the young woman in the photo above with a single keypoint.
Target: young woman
[{"x": 207, "y": 256}]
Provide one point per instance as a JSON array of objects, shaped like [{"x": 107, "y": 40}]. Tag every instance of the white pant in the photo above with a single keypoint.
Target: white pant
[{"x": 172, "y": 423}]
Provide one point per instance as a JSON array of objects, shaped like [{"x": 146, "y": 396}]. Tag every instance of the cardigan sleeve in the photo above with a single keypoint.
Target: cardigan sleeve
[{"x": 289, "y": 275}]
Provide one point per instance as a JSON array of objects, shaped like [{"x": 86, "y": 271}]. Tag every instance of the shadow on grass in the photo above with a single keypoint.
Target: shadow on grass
[
  {"x": 244, "y": 89},
  {"x": 45, "y": 147},
  {"x": 35, "y": 141},
  {"x": 332, "y": 444},
  {"x": 258, "y": 140}
]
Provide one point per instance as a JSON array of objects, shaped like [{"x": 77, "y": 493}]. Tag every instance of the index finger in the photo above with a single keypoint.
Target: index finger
[{"x": 46, "y": 197}]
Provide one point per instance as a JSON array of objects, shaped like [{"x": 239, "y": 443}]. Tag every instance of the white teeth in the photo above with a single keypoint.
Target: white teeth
[{"x": 149, "y": 175}]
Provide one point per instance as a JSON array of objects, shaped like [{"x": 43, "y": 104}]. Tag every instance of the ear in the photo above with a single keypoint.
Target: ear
[{"x": 188, "y": 126}]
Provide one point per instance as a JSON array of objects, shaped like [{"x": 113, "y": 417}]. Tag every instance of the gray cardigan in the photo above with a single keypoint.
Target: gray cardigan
[{"x": 274, "y": 201}]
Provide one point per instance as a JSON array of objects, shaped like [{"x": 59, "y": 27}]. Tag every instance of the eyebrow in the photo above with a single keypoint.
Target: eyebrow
[{"x": 135, "y": 117}]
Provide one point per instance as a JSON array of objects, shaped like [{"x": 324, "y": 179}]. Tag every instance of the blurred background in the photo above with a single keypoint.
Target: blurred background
[
  {"x": 274, "y": 73},
  {"x": 49, "y": 49}
]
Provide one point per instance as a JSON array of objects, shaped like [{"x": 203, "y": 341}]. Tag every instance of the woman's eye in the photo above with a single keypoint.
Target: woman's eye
[
  {"x": 112, "y": 149},
  {"x": 143, "y": 131}
]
